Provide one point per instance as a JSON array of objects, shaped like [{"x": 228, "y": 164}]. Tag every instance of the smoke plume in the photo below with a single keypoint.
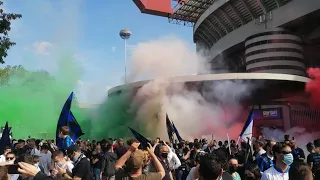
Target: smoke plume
[
  {"x": 31, "y": 100},
  {"x": 313, "y": 87},
  {"x": 215, "y": 109},
  {"x": 301, "y": 136}
]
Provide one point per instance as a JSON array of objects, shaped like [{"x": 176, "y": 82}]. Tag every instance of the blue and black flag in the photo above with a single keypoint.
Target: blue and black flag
[
  {"x": 143, "y": 141},
  {"x": 67, "y": 119},
  {"x": 176, "y": 132},
  {"x": 5, "y": 139},
  {"x": 170, "y": 129}
]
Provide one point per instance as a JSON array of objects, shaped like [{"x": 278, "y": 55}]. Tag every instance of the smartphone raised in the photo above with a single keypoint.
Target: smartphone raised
[{"x": 13, "y": 169}]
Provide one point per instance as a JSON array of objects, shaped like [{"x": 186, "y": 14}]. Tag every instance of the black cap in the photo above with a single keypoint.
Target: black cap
[
  {"x": 310, "y": 145},
  {"x": 73, "y": 148}
]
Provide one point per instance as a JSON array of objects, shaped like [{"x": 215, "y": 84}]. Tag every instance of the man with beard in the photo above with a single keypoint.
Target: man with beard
[
  {"x": 81, "y": 170},
  {"x": 298, "y": 154},
  {"x": 120, "y": 149},
  {"x": 233, "y": 168}
]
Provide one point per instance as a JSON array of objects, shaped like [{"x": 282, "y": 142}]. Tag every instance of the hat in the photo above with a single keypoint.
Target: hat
[
  {"x": 310, "y": 145},
  {"x": 136, "y": 159},
  {"x": 73, "y": 148}
]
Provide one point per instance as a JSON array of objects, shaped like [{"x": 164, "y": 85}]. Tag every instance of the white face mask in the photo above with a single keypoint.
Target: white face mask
[{"x": 36, "y": 165}]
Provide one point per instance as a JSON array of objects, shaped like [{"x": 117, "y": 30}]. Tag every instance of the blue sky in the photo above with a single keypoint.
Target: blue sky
[{"x": 90, "y": 30}]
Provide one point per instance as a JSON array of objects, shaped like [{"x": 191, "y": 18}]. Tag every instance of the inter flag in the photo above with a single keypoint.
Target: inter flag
[
  {"x": 74, "y": 127},
  {"x": 67, "y": 119},
  {"x": 176, "y": 132},
  {"x": 247, "y": 128},
  {"x": 5, "y": 138},
  {"x": 143, "y": 141},
  {"x": 170, "y": 129}
]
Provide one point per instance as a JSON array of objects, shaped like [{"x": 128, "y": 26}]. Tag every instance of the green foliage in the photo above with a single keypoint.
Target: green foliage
[
  {"x": 5, "y": 27},
  {"x": 10, "y": 74}
]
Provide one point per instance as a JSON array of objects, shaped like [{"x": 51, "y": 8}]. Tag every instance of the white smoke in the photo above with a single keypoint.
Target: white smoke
[
  {"x": 194, "y": 113},
  {"x": 301, "y": 136}
]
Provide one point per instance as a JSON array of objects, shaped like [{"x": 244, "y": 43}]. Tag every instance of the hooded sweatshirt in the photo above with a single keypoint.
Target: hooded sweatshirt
[{"x": 108, "y": 162}]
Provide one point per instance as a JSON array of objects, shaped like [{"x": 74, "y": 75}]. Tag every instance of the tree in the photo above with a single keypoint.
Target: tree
[
  {"x": 7, "y": 72},
  {"x": 19, "y": 76},
  {"x": 5, "y": 27}
]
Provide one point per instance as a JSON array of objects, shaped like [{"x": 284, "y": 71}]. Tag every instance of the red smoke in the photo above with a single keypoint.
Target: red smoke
[
  {"x": 233, "y": 123},
  {"x": 313, "y": 86}
]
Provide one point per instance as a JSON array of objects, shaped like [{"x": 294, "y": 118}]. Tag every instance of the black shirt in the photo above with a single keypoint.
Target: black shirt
[
  {"x": 97, "y": 165},
  {"x": 315, "y": 159},
  {"x": 82, "y": 169},
  {"x": 184, "y": 164}
]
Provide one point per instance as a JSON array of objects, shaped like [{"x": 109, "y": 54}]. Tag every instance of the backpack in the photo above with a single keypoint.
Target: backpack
[{"x": 110, "y": 169}]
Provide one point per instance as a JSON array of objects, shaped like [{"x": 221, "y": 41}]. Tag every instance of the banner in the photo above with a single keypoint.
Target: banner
[{"x": 270, "y": 113}]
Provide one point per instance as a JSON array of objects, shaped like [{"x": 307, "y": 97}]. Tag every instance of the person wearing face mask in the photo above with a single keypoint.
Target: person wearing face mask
[
  {"x": 163, "y": 158},
  {"x": 233, "y": 167},
  {"x": 162, "y": 155},
  {"x": 81, "y": 170},
  {"x": 283, "y": 158},
  {"x": 60, "y": 161}
]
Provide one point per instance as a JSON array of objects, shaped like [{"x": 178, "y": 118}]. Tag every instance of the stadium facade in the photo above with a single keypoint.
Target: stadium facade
[{"x": 268, "y": 41}]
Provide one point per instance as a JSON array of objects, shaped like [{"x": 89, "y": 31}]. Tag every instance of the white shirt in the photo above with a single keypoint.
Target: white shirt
[
  {"x": 2, "y": 158},
  {"x": 174, "y": 161},
  {"x": 274, "y": 173},
  {"x": 68, "y": 166}
]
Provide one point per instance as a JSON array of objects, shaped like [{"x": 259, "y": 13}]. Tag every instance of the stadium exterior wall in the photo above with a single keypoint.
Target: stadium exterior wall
[{"x": 284, "y": 14}]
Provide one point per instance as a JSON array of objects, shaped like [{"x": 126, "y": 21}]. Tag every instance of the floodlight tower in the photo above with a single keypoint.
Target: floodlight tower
[{"x": 125, "y": 35}]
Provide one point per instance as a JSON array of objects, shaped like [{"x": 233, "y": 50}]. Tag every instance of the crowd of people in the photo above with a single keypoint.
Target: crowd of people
[{"x": 109, "y": 159}]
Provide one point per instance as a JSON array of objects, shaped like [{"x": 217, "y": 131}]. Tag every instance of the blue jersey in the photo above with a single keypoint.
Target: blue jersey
[{"x": 66, "y": 143}]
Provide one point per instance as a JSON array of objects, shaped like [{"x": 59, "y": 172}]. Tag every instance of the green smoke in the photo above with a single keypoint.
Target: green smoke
[
  {"x": 113, "y": 117},
  {"x": 32, "y": 101}
]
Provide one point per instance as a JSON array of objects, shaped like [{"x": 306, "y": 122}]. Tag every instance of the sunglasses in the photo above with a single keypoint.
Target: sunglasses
[
  {"x": 9, "y": 158},
  {"x": 285, "y": 152}
]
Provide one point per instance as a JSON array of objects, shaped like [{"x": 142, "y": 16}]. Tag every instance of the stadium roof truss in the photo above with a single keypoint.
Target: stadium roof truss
[{"x": 187, "y": 12}]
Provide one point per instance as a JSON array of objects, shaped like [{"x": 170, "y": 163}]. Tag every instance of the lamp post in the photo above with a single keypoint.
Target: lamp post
[{"x": 125, "y": 35}]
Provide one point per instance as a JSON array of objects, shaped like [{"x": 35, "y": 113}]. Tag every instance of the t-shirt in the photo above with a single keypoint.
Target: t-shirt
[
  {"x": 82, "y": 169},
  {"x": 35, "y": 151},
  {"x": 45, "y": 162},
  {"x": 191, "y": 174},
  {"x": 68, "y": 166},
  {"x": 121, "y": 174},
  {"x": 314, "y": 158},
  {"x": 97, "y": 165},
  {"x": 236, "y": 176},
  {"x": 273, "y": 173}
]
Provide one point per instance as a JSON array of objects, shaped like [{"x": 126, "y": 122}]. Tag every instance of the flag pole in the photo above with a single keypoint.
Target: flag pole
[
  {"x": 238, "y": 140},
  {"x": 229, "y": 143}
]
